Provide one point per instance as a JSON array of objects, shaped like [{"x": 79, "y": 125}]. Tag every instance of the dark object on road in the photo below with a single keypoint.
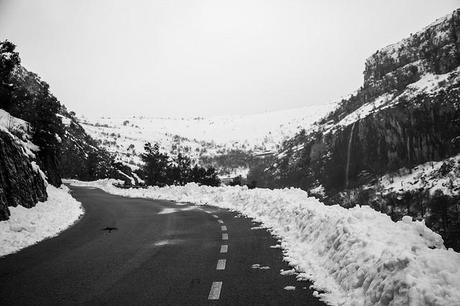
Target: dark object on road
[{"x": 110, "y": 229}]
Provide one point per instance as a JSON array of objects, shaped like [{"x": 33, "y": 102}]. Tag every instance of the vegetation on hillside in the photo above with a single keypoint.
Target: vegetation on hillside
[
  {"x": 24, "y": 95},
  {"x": 66, "y": 150},
  {"x": 160, "y": 169}
]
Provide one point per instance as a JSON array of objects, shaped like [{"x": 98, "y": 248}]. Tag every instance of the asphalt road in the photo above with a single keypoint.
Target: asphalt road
[{"x": 143, "y": 252}]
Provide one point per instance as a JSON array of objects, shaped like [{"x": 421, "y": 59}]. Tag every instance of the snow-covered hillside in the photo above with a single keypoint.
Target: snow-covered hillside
[
  {"x": 196, "y": 137},
  {"x": 435, "y": 176}
]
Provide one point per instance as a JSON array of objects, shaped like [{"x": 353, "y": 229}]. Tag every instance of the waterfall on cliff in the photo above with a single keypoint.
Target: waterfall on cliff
[{"x": 347, "y": 169}]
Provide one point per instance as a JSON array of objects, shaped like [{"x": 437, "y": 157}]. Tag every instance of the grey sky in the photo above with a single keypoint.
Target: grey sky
[{"x": 213, "y": 57}]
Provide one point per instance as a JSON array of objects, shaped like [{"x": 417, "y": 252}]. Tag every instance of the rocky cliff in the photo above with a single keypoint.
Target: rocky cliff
[
  {"x": 20, "y": 180},
  {"x": 406, "y": 113}
]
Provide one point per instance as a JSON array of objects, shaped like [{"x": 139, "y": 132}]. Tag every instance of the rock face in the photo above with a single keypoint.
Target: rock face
[
  {"x": 20, "y": 184},
  {"x": 435, "y": 49},
  {"x": 405, "y": 135},
  {"x": 406, "y": 113}
]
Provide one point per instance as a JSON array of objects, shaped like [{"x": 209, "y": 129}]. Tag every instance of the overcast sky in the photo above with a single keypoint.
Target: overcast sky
[{"x": 187, "y": 57}]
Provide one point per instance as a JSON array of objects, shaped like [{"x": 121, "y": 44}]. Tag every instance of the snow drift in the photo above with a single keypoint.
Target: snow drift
[
  {"x": 27, "y": 226},
  {"x": 357, "y": 256}
]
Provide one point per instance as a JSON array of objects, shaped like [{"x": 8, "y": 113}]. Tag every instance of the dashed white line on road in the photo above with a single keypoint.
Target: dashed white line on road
[
  {"x": 215, "y": 216},
  {"x": 224, "y": 248},
  {"x": 220, "y": 221},
  {"x": 214, "y": 294},
  {"x": 224, "y": 236},
  {"x": 221, "y": 264},
  {"x": 223, "y": 228}
]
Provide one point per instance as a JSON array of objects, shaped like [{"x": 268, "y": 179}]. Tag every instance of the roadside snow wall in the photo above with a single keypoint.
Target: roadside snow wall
[
  {"x": 357, "y": 256},
  {"x": 27, "y": 226}
]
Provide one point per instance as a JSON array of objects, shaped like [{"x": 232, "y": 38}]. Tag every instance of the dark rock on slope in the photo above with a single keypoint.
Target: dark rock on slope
[
  {"x": 20, "y": 184},
  {"x": 33, "y": 102}
]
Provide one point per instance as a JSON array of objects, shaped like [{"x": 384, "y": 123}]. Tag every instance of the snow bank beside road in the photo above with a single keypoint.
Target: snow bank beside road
[
  {"x": 28, "y": 226},
  {"x": 358, "y": 256}
]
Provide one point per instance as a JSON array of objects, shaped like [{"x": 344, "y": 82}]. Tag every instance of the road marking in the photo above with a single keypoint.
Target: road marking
[
  {"x": 224, "y": 236},
  {"x": 215, "y": 216},
  {"x": 224, "y": 248},
  {"x": 220, "y": 221},
  {"x": 221, "y": 264},
  {"x": 214, "y": 294},
  {"x": 223, "y": 228}
]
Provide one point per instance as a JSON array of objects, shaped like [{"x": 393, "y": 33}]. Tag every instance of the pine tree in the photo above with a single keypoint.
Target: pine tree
[{"x": 156, "y": 165}]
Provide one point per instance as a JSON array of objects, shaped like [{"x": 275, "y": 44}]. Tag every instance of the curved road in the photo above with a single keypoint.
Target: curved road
[{"x": 143, "y": 252}]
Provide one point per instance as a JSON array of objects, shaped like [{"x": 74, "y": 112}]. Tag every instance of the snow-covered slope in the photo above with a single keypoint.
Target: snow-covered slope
[
  {"x": 201, "y": 136},
  {"x": 438, "y": 176},
  {"x": 428, "y": 84}
]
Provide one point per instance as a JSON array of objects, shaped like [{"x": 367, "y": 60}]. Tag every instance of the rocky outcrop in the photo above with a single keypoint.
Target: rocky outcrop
[
  {"x": 435, "y": 49},
  {"x": 406, "y": 113},
  {"x": 404, "y": 135},
  {"x": 20, "y": 184}
]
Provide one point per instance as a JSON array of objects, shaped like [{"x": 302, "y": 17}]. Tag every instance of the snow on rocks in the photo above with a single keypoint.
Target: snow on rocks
[
  {"x": 442, "y": 176},
  {"x": 28, "y": 226},
  {"x": 18, "y": 129},
  {"x": 357, "y": 256},
  {"x": 428, "y": 84},
  {"x": 365, "y": 110}
]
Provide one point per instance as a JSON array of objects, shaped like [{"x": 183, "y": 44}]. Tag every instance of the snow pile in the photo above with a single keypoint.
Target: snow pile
[
  {"x": 28, "y": 226},
  {"x": 432, "y": 176},
  {"x": 357, "y": 256}
]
